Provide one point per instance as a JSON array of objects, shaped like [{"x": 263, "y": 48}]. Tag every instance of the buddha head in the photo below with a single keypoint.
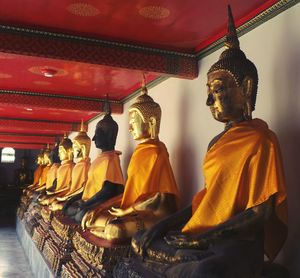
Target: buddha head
[
  {"x": 47, "y": 156},
  {"x": 40, "y": 158},
  {"x": 144, "y": 117},
  {"x": 65, "y": 150},
  {"x": 106, "y": 131},
  {"x": 232, "y": 81},
  {"x": 81, "y": 144}
]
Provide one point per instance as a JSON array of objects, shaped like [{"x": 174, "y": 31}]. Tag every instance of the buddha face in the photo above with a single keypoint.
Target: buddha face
[
  {"x": 62, "y": 153},
  {"x": 40, "y": 160},
  {"x": 77, "y": 149},
  {"x": 47, "y": 159},
  {"x": 225, "y": 99},
  {"x": 137, "y": 127}
]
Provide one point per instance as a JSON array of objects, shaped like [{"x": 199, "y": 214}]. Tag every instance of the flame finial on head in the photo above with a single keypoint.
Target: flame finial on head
[
  {"x": 144, "y": 88},
  {"x": 82, "y": 129},
  {"x": 232, "y": 40},
  {"x": 106, "y": 106}
]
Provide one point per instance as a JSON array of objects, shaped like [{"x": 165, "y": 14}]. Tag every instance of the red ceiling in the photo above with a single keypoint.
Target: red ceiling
[
  {"x": 133, "y": 38},
  {"x": 169, "y": 24}
]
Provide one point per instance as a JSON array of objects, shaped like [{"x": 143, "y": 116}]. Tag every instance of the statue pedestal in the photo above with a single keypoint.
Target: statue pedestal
[
  {"x": 58, "y": 246},
  {"x": 41, "y": 233},
  {"x": 32, "y": 218},
  {"x": 93, "y": 256}
]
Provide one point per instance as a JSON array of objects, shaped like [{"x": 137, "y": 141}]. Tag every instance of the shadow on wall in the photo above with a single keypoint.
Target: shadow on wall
[
  {"x": 186, "y": 157},
  {"x": 287, "y": 106}
]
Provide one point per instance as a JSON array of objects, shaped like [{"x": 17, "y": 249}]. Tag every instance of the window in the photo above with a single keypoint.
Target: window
[{"x": 8, "y": 155}]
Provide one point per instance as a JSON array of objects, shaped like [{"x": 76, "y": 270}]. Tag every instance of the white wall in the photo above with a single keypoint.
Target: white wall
[{"x": 187, "y": 126}]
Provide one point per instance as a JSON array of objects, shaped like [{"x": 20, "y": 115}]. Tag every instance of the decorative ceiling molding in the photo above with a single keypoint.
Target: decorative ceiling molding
[
  {"x": 29, "y": 138},
  {"x": 261, "y": 18},
  {"x": 87, "y": 50},
  {"x": 33, "y": 126},
  {"x": 43, "y": 100}
]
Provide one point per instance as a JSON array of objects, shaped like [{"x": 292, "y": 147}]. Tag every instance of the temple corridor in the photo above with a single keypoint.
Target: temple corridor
[{"x": 13, "y": 262}]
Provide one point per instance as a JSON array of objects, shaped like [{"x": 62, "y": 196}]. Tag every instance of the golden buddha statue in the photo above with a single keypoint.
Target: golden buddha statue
[
  {"x": 105, "y": 179},
  {"x": 241, "y": 214},
  {"x": 150, "y": 192},
  {"x": 81, "y": 151},
  {"x": 64, "y": 172},
  {"x": 38, "y": 171},
  {"x": 52, "y": 173}
]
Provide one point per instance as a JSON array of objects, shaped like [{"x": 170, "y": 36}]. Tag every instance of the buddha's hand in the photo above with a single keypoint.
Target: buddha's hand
[
  {"x": 118, "y": 212},
  {"x": 180, "y": 240}
]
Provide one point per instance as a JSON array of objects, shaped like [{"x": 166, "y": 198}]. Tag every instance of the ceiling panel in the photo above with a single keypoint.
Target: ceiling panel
[{"x": 60, "y": 60}]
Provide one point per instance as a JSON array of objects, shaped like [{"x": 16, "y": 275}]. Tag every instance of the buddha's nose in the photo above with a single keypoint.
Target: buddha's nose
[{"x": 210, "y": 100}]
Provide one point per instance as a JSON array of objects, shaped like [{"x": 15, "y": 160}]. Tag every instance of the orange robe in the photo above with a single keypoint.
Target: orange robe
[
  {"x": 149, "y": 172},
  {"x": 51, "y": 175},
  {"x": 106, "y": 167},
  {"x": 242, "y": 169},
  {"x": 64, "y": 176},
  {"x": 79, "y": 177},
  {"x": 36, "y": 177},
  {"x": 43, "y": 178}
]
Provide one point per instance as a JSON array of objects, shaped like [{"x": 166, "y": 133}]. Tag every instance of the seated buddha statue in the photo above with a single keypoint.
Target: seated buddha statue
[
  {"x": 37, "y": 172},
  {"x": 105, "y": 179},
  {"x": 64, "y": 172},
  {"x": 46, "y": 163},
  {"x": 52, "y": 173},
  {"x": 241, "y": 213},
  {"x": 81, "y": 151},
  {"x": 150, "y": 192}
]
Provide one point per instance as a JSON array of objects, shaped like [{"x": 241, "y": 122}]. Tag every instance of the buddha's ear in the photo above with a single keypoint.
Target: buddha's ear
[
  {"x": 247, "y": 86},
  {"x": 83, "y": 150},
  {"x": 247, "y": 92},
  {"x": 152, "y": 127}
]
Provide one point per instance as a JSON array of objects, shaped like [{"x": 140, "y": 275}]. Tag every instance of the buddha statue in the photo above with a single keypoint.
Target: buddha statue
[
  {"x": 37, "y": 172},
  {"x": 47, "y": 162},
  {"x": 52, "y": 173},
  {"x": 241, "y": 213},
  {"x": 105, "y": 179},
  {"x": 150, "y": 192},
  {"x": 64, "y": 172},
  {"x": 81, "y": 151}
]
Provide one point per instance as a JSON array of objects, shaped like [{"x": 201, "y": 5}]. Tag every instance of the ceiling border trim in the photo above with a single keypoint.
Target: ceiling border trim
[{"x": 259, "y": 19}]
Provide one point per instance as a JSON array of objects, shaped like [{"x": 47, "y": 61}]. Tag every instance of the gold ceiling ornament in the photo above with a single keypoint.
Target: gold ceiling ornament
[
  {"x": 82, "y": 9},
  {"x": 44, "y": 70},
  {"x": 154, "y": 12},
  {"x": 5, "y": 75}
]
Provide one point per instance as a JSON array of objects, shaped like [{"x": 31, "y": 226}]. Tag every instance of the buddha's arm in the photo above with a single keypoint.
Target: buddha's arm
[
  {"x": 53, "y": 186},
  {"x": 245, "y": 224},
  {"x": 41, "y": 188},
  {"x": 171, "y": 222},
  {"x": 108, "y": 191},
  {"x": 71, "y": 201},
  {"x": 156, "y": 203},
  {"x": 71, "y": 194}
]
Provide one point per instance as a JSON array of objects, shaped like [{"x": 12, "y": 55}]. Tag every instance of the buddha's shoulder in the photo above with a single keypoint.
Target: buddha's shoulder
[{"x": 257, "y": 131}]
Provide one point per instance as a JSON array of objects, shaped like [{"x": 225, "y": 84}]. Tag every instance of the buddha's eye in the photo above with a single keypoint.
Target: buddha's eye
[{"x": 219, "y": 90}]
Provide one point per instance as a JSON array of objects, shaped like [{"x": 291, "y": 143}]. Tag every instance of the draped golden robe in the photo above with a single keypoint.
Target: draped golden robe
[
  {"x": 51, "y": 175},
  {"x": 64, "y": 176},
  {"x": 149, "y": 172},
  {"x": 36, "y": 177},
  {"x": 106, "y": 167},
  {"x": 79, "y": 177},
  {"x": 242, "y": 169}
]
